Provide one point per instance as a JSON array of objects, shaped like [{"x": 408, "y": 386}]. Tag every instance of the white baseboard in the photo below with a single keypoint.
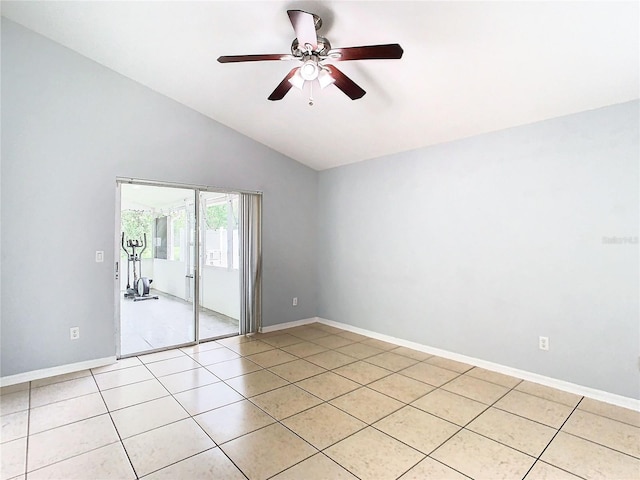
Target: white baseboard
[
  {"x": 53, "y": 371},
  {"x": 593, "y": 393},
  {"x": 295, "y": 323}
]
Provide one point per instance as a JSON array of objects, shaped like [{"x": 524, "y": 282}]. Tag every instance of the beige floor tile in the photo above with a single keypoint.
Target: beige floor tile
[
  {"x": 203, "y": 347},
  {"x": 209, "y": 357},
  {"x": 173, "y": 365},
  {"x": 391, "y": 361},
  {"x": 283, "y": 340},
  {"x": 18, "y": 387},
  {"x": 625, "y": 415},
  {"x": 231, "y": 421},
  {"x": 494, "y": 377},
  {"x": 323, "y": 425},
  {"x": 201, "y": 399},
  {"x": 64, "y": 412},
  {"x": 271, "y": 358},
  {"x": 119, "y": 378},
  {"x": 318, "y": 467},
  {"x": 120, "y": 364},
  {"x": 476, "y": 389},
  {"x": 450, "y": 406},
  {"x": 379, "y": 344},
  {"x": 265, "y": 452},
  {"x": 70, "y": 440},
  {"x": 373, "y": 455},
  {"x": 328, "y": 385},
  {"x": 210, "y": 464},
  {"x": 285, "y": 401},
  {"x": 13, "y": 402},
  {"x": 308, "y": 333},
  {"x": 133, "y": 394},
  {"x": 430, "y": 468},
  {"x": 256, "y": 383},
  {"x": 304, "y": 349},
  {"x": 356, "y": 337},
  {"x": 296, "y": 370},
  {"x": 332, "y": 341},
  {"x": 416, "y": 428},
  {"x": 181, "y": 381},
  {"x": 13, "y": 458},
  {"x": 262, "y": 335},
  {"x": 449, "y": 364},
  {"x": 359, "y": 350},
  {"x": 14, "y": 426},
  {"x": 155, "y": 449},
  {"x": 233, "y": 368},
  {"x": 430, "y": 374},
  {"x": 401, "y": 388},
  {"x": 534, "y": 408},
  {"x": 544, "y": 471},
  {"x": 250, "y": 348},
  {"x": 62, "y": 391},
  {"x": 589, "y": 460},
  {"x": 330, "y": 359},
  {"x": 475, "y": 456},
  {"x": 516, "y": 432},
  {"x": 366, "y": 404},
  {"x": 549, "y": 393},
  {"x": 411, "y": 353},
  {"x": 613, "y": 434},
  {"x": 106, "y": 463},
  {"x": 362, "y": 372},
  {"x": 327, "y": 328},
  {"x": 159, "y": 356},
  {"x": 234, "y": 340},
  {"x": 146, "y": 416},
  {"x": 60, "y": 378}
]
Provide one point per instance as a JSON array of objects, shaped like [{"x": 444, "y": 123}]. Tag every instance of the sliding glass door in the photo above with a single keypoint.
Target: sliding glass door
[
  {"x": 189, "y": 265},
  {"x": 157, "y": 234},
  {"x": 219, "y": 299}
]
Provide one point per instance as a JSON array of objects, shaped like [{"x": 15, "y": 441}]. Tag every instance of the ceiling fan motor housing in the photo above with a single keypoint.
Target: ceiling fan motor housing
[{"x": 323, "y": 48}]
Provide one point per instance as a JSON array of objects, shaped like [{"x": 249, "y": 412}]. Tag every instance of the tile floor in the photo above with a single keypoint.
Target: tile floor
[{"x": 311, "y": 402}]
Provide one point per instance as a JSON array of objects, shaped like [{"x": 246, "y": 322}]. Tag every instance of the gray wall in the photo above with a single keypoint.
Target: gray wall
[
  {"x": 69, "y": 127},
  {"x": 484, "y": 244}
]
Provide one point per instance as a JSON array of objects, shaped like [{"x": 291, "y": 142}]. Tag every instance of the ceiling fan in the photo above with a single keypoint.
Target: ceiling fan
[{"x": 313, "y": 51}]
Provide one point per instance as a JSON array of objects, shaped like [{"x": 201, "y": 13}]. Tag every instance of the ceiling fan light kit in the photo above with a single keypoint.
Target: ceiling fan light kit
[{"x": 313, "y": 50}]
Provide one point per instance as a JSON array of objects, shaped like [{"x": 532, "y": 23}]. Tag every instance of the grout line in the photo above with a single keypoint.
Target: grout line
[
  {"x": 538, "y": 458},
  {"x": 114, "y": 426}
]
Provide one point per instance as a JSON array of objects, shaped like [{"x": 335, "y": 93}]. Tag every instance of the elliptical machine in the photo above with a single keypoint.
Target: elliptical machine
[{"x": 142, "y": 285}]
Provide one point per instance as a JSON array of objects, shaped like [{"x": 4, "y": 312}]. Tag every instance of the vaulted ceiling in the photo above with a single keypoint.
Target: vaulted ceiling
[{"x": 468, "y": 67}]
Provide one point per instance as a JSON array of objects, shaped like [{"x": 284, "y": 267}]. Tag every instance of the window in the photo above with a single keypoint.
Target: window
[{"x": 220, "y": 242}]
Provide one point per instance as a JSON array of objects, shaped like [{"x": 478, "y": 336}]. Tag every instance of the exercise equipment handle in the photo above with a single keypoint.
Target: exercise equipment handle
[{"x": 144, "y": 246}]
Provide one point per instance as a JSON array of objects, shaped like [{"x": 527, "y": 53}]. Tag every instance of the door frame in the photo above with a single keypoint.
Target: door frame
[{"x": 196, "y": 260}]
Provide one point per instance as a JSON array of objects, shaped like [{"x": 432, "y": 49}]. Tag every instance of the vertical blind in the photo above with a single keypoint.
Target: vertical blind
[{"x": 251, "y": 262}]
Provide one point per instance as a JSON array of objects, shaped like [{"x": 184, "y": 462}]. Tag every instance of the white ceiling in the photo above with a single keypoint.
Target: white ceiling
[{"x": 468, "y": 67}]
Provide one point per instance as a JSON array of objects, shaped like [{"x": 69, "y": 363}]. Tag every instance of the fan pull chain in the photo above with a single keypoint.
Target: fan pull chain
[{"x": 311, "y": 94}]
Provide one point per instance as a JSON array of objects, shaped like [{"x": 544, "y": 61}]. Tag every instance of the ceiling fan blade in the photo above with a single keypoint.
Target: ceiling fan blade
[
  {"x": 305, "y": 28},
  {"x": 254, "y": 58},
  {"x": 344, "y": 83},
  {"x": 284, "y": 86},
  {"x": 369, "y": 52}
]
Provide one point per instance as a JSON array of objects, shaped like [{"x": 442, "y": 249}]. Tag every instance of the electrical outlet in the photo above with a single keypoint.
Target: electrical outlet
[
  {"x": 74, "y": 333},
  {"x": 543, "y": 343},
  {"x": 295, "y": 301}
]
